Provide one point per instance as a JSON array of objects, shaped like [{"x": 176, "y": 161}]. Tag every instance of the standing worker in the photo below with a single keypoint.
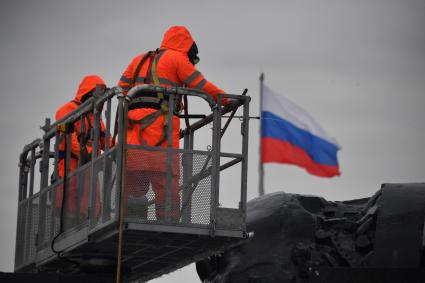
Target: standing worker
[
  {"x": 85, "y": 91},
  {"x": 173, "y": 64}
]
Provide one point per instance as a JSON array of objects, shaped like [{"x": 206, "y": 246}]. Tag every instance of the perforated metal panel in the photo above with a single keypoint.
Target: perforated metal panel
[
  {"x": 198, "y": 189},
  {"x": 56, "y": 219},
  {"x": 76, "y": 198},
  {"x": 50, "y": 211},
  {"x": 46, "y": 221},
  {"x": 20, "y": 234},
  {"x": 104, "y": 170},
  {"x": 48, "y": 225},
  {"x": 33, "y": 217},
  {"x": 75, "y": 210},
  {"x": 153, "y": 196},
  {"x": 27, "y": 231}
]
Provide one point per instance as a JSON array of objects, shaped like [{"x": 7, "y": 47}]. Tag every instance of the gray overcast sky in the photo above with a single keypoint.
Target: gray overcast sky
[{"x": 358, "y": 67}]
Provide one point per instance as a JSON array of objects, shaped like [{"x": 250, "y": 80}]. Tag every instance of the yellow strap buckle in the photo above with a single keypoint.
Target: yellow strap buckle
[{"x": 65, "y": 128}]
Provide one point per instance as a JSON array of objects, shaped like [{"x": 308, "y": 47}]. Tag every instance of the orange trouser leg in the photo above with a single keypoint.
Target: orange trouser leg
[
  {"x": 84, "y": 204},
  {"x": 159, "y": 181}
]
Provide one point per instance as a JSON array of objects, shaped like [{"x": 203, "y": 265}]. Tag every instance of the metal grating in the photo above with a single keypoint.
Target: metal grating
[
  {"x": 33, "y": 228},
  {"x": 104, "y": 171},
  {"x": 56, "y": 221},
  {"x": 77, "y": 198},
  {"x": 198, "y": 192},
  {"x": 50, "y": 213},
  {"x": 43, "y": 237},
  {"x": 75, "y": 210},
  {"x": 98, "y": 193},
  {"x": 148, "y": 197},
  {"x": 21, "y": 233},
  {"x": 26, "y": 246}
]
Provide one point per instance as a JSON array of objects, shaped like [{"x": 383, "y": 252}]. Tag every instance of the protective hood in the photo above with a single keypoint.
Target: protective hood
[
  {"x": 177, "y": 38},
  {"x": 87, "y": 85}
]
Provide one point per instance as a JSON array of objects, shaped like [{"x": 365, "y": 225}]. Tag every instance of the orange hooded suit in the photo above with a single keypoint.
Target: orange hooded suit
[
  {"x": 85, "y": 89},
  {"x": 173, "y": 69}
]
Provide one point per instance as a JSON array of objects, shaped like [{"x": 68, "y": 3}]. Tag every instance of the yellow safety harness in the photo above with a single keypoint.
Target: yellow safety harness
[{"x": 157, "y": 101}]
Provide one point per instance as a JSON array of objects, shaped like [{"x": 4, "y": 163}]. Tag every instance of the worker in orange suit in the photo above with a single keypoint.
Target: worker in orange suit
[
  {"x": 173, "y": 64},
  {"x": 85, "y": 91}
]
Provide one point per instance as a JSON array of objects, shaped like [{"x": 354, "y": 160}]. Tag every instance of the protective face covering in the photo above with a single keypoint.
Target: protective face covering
[{"x": 193, "y": 54}]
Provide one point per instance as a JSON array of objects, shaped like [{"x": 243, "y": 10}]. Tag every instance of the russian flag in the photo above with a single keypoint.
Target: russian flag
[{"x": 290, "y": 135}]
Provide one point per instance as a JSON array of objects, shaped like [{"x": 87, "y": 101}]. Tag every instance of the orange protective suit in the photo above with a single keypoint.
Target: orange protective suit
[
  {"x": 86, "y": 87},
  {"x": 173, "y": 69}
]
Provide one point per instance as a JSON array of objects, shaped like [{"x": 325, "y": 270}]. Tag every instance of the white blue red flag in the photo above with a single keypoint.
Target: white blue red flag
[{"x": 290, "y": 135}]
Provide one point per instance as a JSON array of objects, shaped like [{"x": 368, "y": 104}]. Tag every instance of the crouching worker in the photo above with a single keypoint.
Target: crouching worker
[
  {"x": 77, "y": 195},
  {"x": 173, "y": 64}
]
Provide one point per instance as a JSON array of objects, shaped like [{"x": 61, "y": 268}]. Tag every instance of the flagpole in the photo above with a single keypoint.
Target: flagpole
[{"x": 260, "y": 165}]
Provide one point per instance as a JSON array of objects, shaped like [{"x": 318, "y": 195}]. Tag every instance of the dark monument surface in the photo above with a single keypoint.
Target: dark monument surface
[{"x": 300, "y": 238}]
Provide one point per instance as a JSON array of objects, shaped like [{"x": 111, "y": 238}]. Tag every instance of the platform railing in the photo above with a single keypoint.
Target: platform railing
[
  {"x": 93, "y": 191},
  {"x": 39, "y": 213},
  {"x": 207, "y": 163},
  {"x": 28, "y": 205}
]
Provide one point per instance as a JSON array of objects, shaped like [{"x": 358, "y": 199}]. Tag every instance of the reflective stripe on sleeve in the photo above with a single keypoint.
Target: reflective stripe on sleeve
[
  {"x": 161, "y": 80},
  {"x": 201, "y": 84},
  {"x": 140, "y": 80},
  {"x": 167, "y": 82},
  {"x": 125, "y": 80},
  {"x": 192, "y": 77}
]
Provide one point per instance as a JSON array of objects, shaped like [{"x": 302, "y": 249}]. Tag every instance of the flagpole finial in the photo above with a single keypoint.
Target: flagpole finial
[{"x": 262, "y": 76}]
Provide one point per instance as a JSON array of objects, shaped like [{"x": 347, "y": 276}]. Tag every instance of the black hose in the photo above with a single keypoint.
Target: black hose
[{"x": 62, "y": 211}]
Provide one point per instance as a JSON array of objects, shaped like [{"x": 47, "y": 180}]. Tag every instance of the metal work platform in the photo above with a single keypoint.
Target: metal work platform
[{"x": 157, "y": 207}]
